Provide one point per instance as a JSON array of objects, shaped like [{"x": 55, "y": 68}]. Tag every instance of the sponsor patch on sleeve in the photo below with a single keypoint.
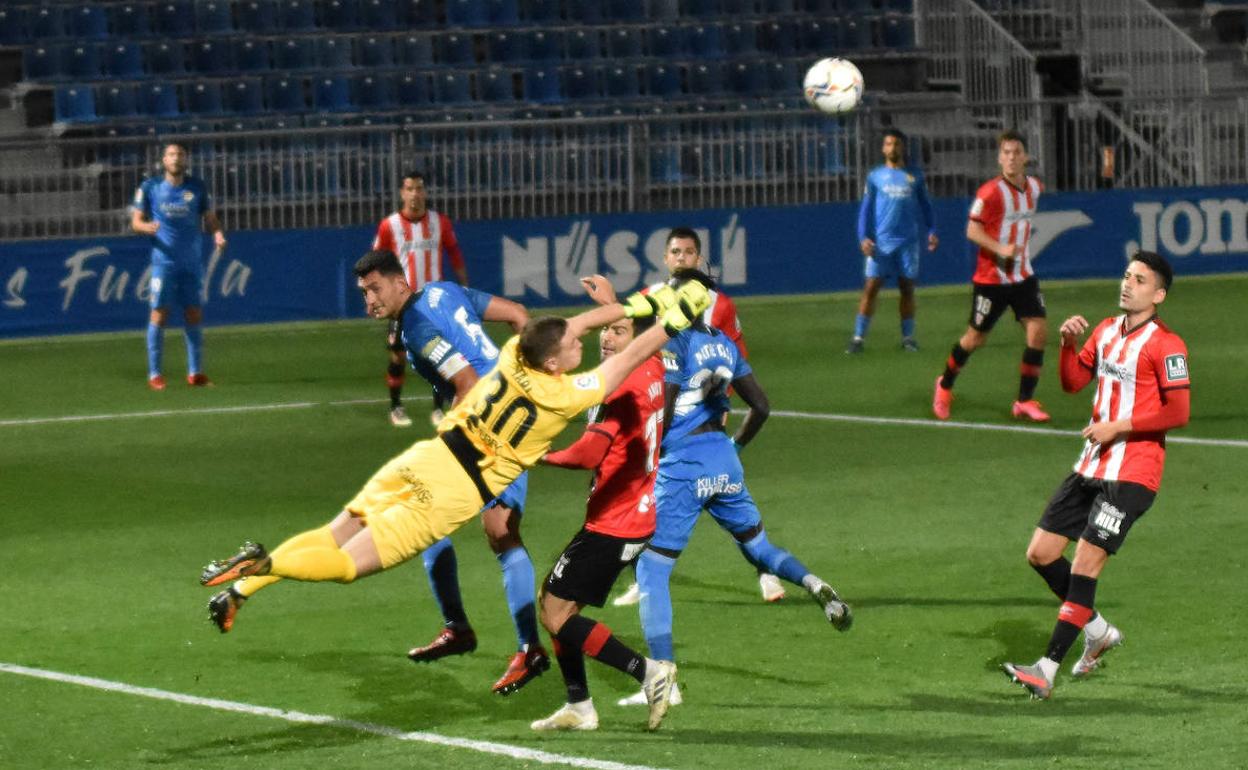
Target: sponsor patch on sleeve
[
  {"x": 1176, "y": 367},
  {"x": 435, "y": 350},
  {"x": 588, "y": 381},
  {"x": 977, "y": 207},
  {"x": 669, "y": 361}
]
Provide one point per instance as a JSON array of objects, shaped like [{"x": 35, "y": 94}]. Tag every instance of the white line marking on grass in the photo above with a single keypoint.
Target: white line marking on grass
[
  {"x": 299, "y": 717},
  {"x": 158, "y": 413}
]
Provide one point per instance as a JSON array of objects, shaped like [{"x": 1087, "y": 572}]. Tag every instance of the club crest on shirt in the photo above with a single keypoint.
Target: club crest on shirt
[
  {"x": 1176, "y": 367},
  {"x": 188, "y": 196}
]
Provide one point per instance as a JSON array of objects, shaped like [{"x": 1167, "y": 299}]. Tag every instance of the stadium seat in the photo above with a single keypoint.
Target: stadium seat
[
  {"x": 74, "y": 104},
  {"x": 626, "y": 10},
  {"x": 668, "y": 42},
  {"x": 824, "y": 36},
  {"x": 898, "y": 31},
  {"x": 414, "y": 90},
  {"x": 294, "y": 54},
  {"x": 175, "y": 19},
  {"x": 508, "y": 47},
  {"x": 857, "y": 32},
  {"x": 583, "y": 44},
  {"x": 452, "y": 88},
  {"x": 541, "y": 85},
  {"x": 622, "y": 82},
  {"x": 376, "y": 92},
  {"x": 748, "y": 78},
  {"x": 585, "y": 11},
  {"x": 88, "y": 21},
  {"x": 13, "y": 23},
  {"x": 624, "y": 43},
  {"x": 130, "y": 20},
  {"x": 665, "y": 10},
  {"x": 542, "y": 11},
  {"x": 117, "y": 101},
  {"x": 663, "y": 80},
  {"x": 777, "y": 37},
  {"x": 705, "y": 79},
  {"x": 456, "y": 49},
  {"x": 123, "y": 60},
  {"x": 213, "y": 17},
  {"x": 258, "y": 16},
  {"x": 203, "y": 98},
  {"x": 164, "y": 58},
  {"x": 375, "y": 52},
  {"x": 83, "y": 61},
  {"x": 251, "y": 55},
  {"x": 285, "y": 94},
  {"x": 739, "y": 39},
  {"x": 333, "y": 52},
  {"x": 244, "y": 96},
  {"x": 340, "y": 14},
  {"x": 210, "y": 58},
  {"x": 467, "y": 13},
  {"x": 503, "y": 12},
  {"x": 783, "y": 77},
  {"x": 775, "y": 7},
  {"x": 43, "y": 62},
  {"x": 706, "y": 41},
  {"x": 900, "y": 6},
  {"x": 380, "y": 15},
  {"x": 48, "y": 22},
  {"x": 297, "y": 15},
  {"x": 545, "y": 46},
  {"x": 159, "y": 100},
  {"x": 700, "y": 9},
  {"x": 496, "y": 85},
  {"x": 581, "y": 83},
  {"x": 416, "y": 49},
  {"x": 331, "y": 93}
]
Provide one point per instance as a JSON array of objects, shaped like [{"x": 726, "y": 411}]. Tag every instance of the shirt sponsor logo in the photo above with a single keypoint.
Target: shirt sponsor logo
[
  {"x": 709, "y": 486},
  {"x": 1176, "y": 367},
  {"x": 586, "y": 382},
  {"x": 1116, "y": 371},
  {"x": 1108, "y": 520}
]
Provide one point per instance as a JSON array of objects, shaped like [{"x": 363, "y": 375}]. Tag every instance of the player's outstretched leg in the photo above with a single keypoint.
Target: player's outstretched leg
[
  {"x": 570, "y": 716},
  {"x": 531, "y": 658},
  {"x": 630, "y": 597},
  {"x": 456, "y": 636},
  {"x": 770, "y": 586},
  {"x": 654, "y": 574},
  {"x": 784, "y": 564},
  {"x": 1094, "y": 649},
  {"x": 1032, "y": 678},
  {"x": 222, "y": 608},
  {"x": 251, "y": 559}
]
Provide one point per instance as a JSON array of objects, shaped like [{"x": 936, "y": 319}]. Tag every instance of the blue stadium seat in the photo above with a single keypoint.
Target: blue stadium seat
[
  {"x": 285, "y": 94},
  {"x": 164, "y": 58},
  {"x": 503, "y": 12},
  {"x": 467, "y": 13},
  {"x": 251, "y": 55},
  {"x": 340, "y": 14},
  {"x": 203, "y": 97},
  {"x": 213, "y": 17},
  {"x": 624, "y": 43},
  {"x": 210, "y": 58},
  {"x": 900, "y": 6},
  {"x": 705, "y": 79},
  {"x": 706, "y": 41},
  {"x": 456, "y": 49},
  {"x": 663, "y": 80},
  {"x": 857, "y": 32},
  {"x": 622, "y": 82},
  {"x": 543, "y": 11},
  {"x": 541, "y": 85},
  {"x": 295, "y": 53},
  {"x": 331, "y": 93},
  {"x": 777, "y": 37},
  {"x": 43, "y": 62},
  {"x": 626, "y": 10},
  {"x": 89, "y": 21},
  {"x": 416, "y": 49},
  {"x": 774, "y": 7},
  {"x": 48, "y": 22},
  {"x": 545, "y": 46},
  {"x": 175, "y": 19},
  {"x": 739, "y": 39},
  {"x": 581, "y": 83},
  {"x": 898, "y": 31},
  {"x": 123, "y": 60},
  {"x": 824, "y": 36},
  {"x": 130, "y": 20},
  {"x": 508, "y": 47},
  {"x": 333, "y": 53},
  {"x": 665, "y": 10},
  {"x": 582, "y": 44},
  {"x": 783, "y": 77},
  {"x": 451, "y": 88},
  {"x": 496, "y": 85},
  {"x": 297, "y": 14},
  {"x": 244, "y": 96},
  {"x": 375, "y": 51},
  {"x": 159, "y": 100},
  {"x": 380, "y": 15},
  {"x": 586, "y": 11},
  {"x": 702, "y": 8},
  {"x": 414, "y": 90},
  {"x": 376, "y": 92},
  {"x": 74, "y": 104},
  {"x": 668, "y": 42},
  {"x": 117, "y": 101},
  {"x": 12, "y": 25},
  {"x": 749, "y": 78},
  {"x": 83, "y": 61},
  {"x": 258, "y": 16}
]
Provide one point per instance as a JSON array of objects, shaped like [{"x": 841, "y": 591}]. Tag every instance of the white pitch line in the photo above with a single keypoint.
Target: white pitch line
[
  {"x": 157, "y": 413},
  {"x": 299, "y": 717}
]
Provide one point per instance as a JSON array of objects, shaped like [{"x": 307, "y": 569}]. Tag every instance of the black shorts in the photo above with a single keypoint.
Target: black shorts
[
  {"x": 1095, "y": 510},
  {"x": 589, "y": 565},
  {"x": 989, "y": 302},
  {"x": 394, "y": 336}
]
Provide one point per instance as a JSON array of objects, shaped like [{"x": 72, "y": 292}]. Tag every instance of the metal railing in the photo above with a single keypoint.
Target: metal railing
[{"x": 350, "y": 176}]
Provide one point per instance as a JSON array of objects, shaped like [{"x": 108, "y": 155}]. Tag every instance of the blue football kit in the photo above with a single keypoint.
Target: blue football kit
[
  {"x": 177, "y": 247},
  {"x": 894, "y": 205}
]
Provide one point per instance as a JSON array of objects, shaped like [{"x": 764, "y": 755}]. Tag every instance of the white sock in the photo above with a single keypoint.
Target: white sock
[
  {"x": 1097, "y": 627},
  {"x": 811, "y": 582},
  {"x": 1049, "y": 667}
]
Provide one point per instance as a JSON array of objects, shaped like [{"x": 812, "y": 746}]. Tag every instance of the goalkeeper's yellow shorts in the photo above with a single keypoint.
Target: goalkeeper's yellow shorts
[{"x": 415, "y": 500}]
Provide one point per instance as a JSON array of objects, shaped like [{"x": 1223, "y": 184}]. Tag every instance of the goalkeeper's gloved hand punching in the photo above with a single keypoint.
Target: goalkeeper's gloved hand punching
[
  {"x": 656, "y": 303},
  {"x": 692, "y": 299}
]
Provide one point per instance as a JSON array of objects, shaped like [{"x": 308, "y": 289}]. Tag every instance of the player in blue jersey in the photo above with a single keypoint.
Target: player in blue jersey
[
  {"x": 700, "y": 470},
  {"x": 441, "y": 330},
  {"x": 174, "y": 208},
  {"x": 893, "y": 219}
]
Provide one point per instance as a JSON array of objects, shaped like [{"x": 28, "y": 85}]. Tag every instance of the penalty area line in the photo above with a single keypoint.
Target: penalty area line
[{"x": 299, "y": 717}]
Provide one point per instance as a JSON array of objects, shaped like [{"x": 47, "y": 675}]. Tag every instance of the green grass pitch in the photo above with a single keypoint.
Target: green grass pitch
[{"x": 922, "y": 528}]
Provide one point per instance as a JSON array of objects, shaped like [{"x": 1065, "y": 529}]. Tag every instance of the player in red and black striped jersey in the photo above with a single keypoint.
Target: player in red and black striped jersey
[
  {"x": 1000, "y": 225},
  {"x": 621, "y": 446},
  {"x": 1142, "y": 391}
]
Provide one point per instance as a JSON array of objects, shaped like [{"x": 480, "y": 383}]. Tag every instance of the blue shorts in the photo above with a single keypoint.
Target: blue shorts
[
  {"x": 514, "y": 495},
  {"x": 177, "y": 282},
  {"x": 703, "y": 472},
  {"x": 901, "y": 262}
]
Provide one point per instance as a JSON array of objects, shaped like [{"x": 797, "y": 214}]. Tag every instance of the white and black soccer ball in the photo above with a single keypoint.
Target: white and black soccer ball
[{"x": 833, "y": 86}]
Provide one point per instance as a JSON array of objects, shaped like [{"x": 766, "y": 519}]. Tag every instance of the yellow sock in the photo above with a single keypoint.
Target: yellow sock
[
  {"x": 314, "y": 538},
  {"x": 316, "y": 564}
]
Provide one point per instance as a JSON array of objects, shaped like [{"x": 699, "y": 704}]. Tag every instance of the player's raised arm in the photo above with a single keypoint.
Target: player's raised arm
[
  {"x": 507, "y": 311},
  {"x": 1076, "y": 366}
]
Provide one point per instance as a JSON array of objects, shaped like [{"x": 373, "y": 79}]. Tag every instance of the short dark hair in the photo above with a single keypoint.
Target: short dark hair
[
  {"x": 413, "y": 173},
  {"x": 896, "y": 133},
  {"x": 379, "y": 260},
  {"x": 1010, "y": 135},
  {"x": 540, "y": 339},
  {"x": 179, "y": 145},
  {"x": 1158, "y": 264},
  {"x": 685, "y": 232},
  {"x": 642, "y": 323}
]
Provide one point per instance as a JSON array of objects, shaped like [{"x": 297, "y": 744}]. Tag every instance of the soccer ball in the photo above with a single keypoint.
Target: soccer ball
[{"x": 833, "y": 86}]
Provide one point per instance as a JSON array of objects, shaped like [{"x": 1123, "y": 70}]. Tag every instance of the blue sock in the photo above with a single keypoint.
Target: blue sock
[
  {"x": 518, "y": 578},
  {"x": 194, "y": 348},
  {"x": 861, "y": 324},
  {"x": 777, "y": 560},
  {"x": 654, "y": 576},
  {"x": 443, "y": 570},
  {"x": 907, "y": 327},
  {"x": 155, "y": 347}
]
